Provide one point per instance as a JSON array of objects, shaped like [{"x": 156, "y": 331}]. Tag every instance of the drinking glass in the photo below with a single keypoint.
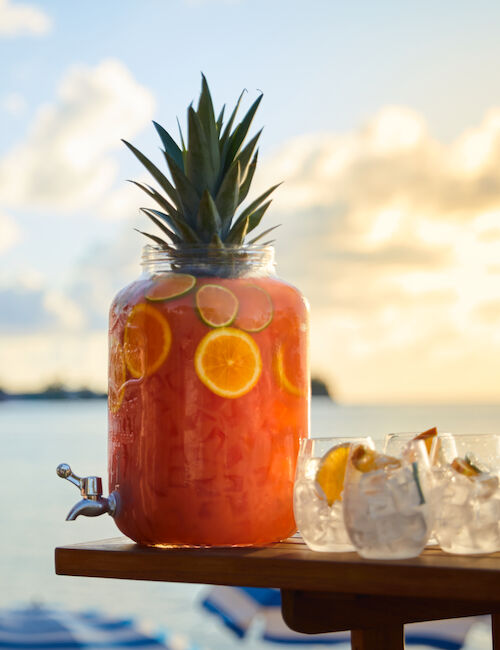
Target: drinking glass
[
  {"x": 320, "y": 524},
  {"x": 467, "y": 507},
  {"x": 388, "y": 511}
]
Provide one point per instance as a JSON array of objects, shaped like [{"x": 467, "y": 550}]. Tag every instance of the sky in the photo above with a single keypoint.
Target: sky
[{"x": 382, "y": 119}]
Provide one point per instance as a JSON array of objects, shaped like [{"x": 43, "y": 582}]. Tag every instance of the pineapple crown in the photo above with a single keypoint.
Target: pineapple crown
[{"x": 210, "y": 178}]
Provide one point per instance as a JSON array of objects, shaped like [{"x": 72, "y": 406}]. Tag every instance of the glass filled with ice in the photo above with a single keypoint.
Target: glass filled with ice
[
  {"x": 387, "y": 501},
  {"x": 318, "y": 492},
  {"x": 466, "y": 470}
]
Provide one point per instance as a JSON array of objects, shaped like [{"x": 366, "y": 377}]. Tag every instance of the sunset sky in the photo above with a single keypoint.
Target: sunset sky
[{"x": 382, "y": 118}]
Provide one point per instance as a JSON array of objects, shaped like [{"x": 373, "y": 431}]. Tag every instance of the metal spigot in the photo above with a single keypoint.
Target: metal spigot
[{"x": 93, "y": 503}]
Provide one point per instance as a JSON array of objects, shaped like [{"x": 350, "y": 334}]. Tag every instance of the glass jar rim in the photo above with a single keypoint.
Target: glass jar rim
[{"x": 202, "y": 259}]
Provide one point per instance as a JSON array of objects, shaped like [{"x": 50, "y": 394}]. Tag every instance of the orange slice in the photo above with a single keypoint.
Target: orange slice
[
  {"x": 146, "y": 340},
  {"x": 228, "y": 362},
  {"x": 216, "y": 305},
  {"x": 365, "y": 460},
  {"x": 116, "y": 376},
  {"x": 465, "y": 467},
  {"x": 331, "y": 472},
  {"x": 291, "y": 370},
  {"x": 427, "y": 436},
  {"x": 170, "y": 286},
  {"x": 255, "y": 310}
]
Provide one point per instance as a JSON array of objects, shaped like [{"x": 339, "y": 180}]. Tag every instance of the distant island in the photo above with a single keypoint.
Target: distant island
[
  {"x": 58, "y": 391},
  {"x": 54, "y": 392},
  {"x": 319, "y": 387}
]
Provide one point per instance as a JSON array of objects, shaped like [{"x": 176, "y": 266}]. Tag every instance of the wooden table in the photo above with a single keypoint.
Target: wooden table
[{"x": 321, "y": 592}]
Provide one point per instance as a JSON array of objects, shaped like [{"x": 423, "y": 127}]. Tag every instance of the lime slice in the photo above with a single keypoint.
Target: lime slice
[
  {"x": 216, "y": 305},
  {"x": 170, "y": 286},
  {"x": 255, "y": 310}
]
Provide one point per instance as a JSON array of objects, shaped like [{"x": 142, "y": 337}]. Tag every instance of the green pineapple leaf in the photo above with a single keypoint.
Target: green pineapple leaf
[
  {"x": 170, "y": 145},
  {"x": 183, "y": 229},
  {"x": 200, "y": 169},
  {"x": 188, "y": 198},
  {"x": 161, "y": 225},
  {"x": 234, "y": 142},
  {"x": 262, "y": 234},
  {"x": 238, "y": 232},
  {"x": 216, "y": 242},
  {"x": 220, "y": 120},
  {"x": 183, "y": 144},
  {"x": 156, "y": 196},
  {"x": 229, "y": 125},
  {"x": 160, "y": 178},
  {"x": 208, "y": 123},
  {"x": 208, "y": 179},
  {"x": 157, "y": 240},
  {"x": 255, "y": 204},
  {"x": 245, "y": 186},
  {"x": 256, "y": 216},
  {"x": 208, "y": 220},
  {"x": 246, "y": 154},
  {"x": 227, "y": 196}
]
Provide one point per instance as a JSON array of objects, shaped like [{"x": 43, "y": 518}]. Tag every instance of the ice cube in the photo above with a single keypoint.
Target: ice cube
[
  {"x": 484, "y": 486},
  {"x": 381, "y": 503},
  {"x": 417, "y": 527},
  {"x": 450, "y": 516},
  {"x": 458, "y": 490},
  {"x": 372, "y": 482},
  {"x": 310, "y": 468},
  {"x": 485, "y": 513},
  {"x": 407, "y": 495},
  {"x": 390, "y": 529}
]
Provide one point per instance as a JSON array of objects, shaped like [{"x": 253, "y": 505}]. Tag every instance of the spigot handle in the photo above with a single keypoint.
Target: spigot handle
[{"x": 64, "y": 471}]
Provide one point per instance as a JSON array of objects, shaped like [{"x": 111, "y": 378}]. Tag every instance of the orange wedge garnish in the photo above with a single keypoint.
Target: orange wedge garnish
[
  {"x": 146, "y": 340},
  {"x": 168, "y": 286},
  {"x": 465, "y": 467},
  {"x": 427, "y": 436},
  {"x": 228, "y": 362},
  {"x": 331, "y": 472},
  {"x": 290, "y": 370},
  {"x": 116, "y": 376},
  {"x": 255, "y": 311},
  {"x": 365, "y": 460},
  {"x": 216, "y": 305}
]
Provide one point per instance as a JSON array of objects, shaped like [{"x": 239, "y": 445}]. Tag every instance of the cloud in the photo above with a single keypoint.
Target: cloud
[
  {"x": 17, "y": 19},
  {"x": 37, "y": 359},
  {"x": 10, "y": 232},
  {"x": 14, "y": 104},
  {"x": 66, "y": 162},
  {"x": 394, "y": 238},
  {"x": 32, "y": 310}
]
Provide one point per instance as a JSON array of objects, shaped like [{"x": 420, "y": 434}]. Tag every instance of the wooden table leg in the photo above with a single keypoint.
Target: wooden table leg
[
  {"x": 495, "y": 631},
  {"x": 387, "y": 637}
]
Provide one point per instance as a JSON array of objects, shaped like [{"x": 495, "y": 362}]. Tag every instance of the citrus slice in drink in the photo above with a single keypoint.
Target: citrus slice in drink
[
  {"x": 427, "y": 436},
  {"x": 168, "y": 286},
  {"x": 216, "y": 305},
  {"x": 366, "y": 460},
  {"x": 228, "y": 362},
  {"x": 146, "y": 340},
  {"x": 290, "y": 369},
  {"x": 117, "y": 376},
  {"x": 331, "y": 472},
  {"x": 255, "y": 310},
  {"x": 465, "y": 467}
]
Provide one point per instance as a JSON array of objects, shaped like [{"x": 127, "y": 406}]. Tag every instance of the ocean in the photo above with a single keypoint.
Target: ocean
[{"x": 37, "y": 436}]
